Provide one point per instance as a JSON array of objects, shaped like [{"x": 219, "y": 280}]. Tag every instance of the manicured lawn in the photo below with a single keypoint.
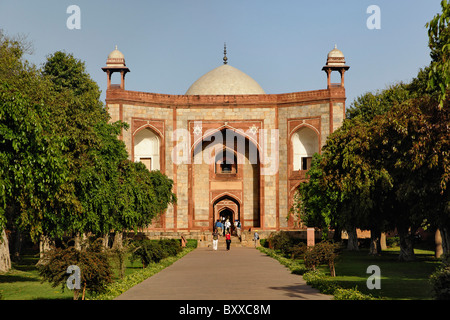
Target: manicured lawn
[
  {"x": 399, "y": 280},
  {"x": 23, "y": 281}
]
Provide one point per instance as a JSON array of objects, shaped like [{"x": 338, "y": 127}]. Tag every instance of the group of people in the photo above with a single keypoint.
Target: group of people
[
  {"x": 225, "y": 228},
  {"x": 216, "y": 235}
]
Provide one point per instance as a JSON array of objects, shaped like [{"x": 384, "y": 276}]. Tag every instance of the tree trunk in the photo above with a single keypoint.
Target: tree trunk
[
  {"x": 80, "y": 241},
  {"x": 84, "y": 291},
  {"x": 438, "y": 241},
  {"x": 16, "y": 246},
  {"x": 337, "y": 236},
  {"x": 118, "y": 240},
  {"x": 332, "y": 269},
  {"x": 445, "y": 236},
  {"x": 352, "y": 244},
  {"x": 375, "y": 242},
  {"x": 406, "y": 245},
  {"x": 76, "y": 294},
  {"x": 106, "y": 241},
  {"x": 383, "y": 241},
  {"x": 45, "y": 244},
  {"x": 5, "y": 259}
]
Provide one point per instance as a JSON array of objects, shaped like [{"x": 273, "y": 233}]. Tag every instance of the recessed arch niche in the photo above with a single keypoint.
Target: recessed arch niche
[
  {"x": 305, "y": 142},
  {"x": 147, "y": 148}
]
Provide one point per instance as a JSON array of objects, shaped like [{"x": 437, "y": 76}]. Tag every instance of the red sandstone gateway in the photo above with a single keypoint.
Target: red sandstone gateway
[{"x": 232, "y": 150}]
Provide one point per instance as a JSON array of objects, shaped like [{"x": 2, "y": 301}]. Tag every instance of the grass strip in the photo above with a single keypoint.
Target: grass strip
[{"x": 318, "y": 279}]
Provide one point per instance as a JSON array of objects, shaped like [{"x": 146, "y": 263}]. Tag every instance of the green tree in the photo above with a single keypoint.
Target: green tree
[
  {"x": 439, "y": 43},
  {"x": 413, "y": 141},
  {"x": 369, "y": 105},
  {"x": 62, "y": 164},
  {"x": 114, "y": 193},
  {"x": 357, "y": 177},
  {"x": 314, "y": 204},
  {"x": 33, "y": 173},
  {"x": 142, "y": 196}
]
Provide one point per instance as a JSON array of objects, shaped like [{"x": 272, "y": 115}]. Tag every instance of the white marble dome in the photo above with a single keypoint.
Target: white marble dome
[
  {"x": 225, "y": 80},
  {"x": 335, "y": 57},
  {"x": 115, "y": 59}
]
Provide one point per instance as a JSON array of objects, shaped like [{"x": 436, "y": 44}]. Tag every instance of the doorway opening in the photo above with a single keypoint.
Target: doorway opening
[{"x": 227, "y": 214}]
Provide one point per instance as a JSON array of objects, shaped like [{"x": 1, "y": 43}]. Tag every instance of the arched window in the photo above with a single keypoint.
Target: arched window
[
  {"x": 146, "y": 149},
  {"x": 226, "y": 162},
  {"x": 305, "y": 142}
]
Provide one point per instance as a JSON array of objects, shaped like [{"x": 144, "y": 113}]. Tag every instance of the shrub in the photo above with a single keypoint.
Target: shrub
[
  {"x": 322, "y": 253},
  {"x": 393, "y": 241},
  {"x": 280, "y": 241},
  {"x": 171, "y": 246},
  {"x": 95, "y": 271},
  {"x": 191, "y": 243},
  {"x": 148, "y": 251},
  {"x": 350, "y": 294},
  {"x": 283, "y": 242},
  {"x": 440, "y": 280},
  {"x": 300, "y": 270},
  {"x": 319, "y": 280},
  {"x": 264, "y": 243},
  {"x": 297, "y": 251}
]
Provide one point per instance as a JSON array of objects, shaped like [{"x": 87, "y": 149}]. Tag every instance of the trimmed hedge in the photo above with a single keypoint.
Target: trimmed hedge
[
  {"x": 191, "y": 243},
  {"x": 350, "y": 294},
  {"x": 149, "y": 251},
  {"x": 295, "y": 267}
]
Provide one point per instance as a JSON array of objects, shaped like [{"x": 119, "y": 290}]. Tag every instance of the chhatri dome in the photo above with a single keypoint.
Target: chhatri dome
[
  {"x": 225, "y": 80},
  {"x": 116, "y": 63},
  {"x": 335, "y": 58},
  {"x": 115, "y": 59}
]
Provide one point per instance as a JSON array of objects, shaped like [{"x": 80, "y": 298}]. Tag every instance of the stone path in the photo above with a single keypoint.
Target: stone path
[{"x": 238, "y": 274}]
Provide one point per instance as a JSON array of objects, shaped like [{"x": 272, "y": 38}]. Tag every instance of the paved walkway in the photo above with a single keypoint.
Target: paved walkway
[{"x": 238, "y": 274}]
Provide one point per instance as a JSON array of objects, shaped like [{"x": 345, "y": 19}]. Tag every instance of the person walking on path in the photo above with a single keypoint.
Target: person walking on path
[
  {"x": 228, "y": 240},
  {"x": 238, "y": 229},
  {"x": 215, "y": 239},
  {"x": 256, "y": 237},
  {"x": 223, "y": 225},
  {"x": 219, "y": 226},
  {"x": 228, "y": 226}
]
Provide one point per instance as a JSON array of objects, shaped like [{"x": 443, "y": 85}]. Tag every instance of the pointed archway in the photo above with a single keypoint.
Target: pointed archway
[{"x": 225, "y": 161}]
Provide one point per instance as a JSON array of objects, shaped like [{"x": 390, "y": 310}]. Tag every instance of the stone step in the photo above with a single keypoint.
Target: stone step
[
  {"x": 204, "y": 238},
  {"x": 235, "y": 242}
]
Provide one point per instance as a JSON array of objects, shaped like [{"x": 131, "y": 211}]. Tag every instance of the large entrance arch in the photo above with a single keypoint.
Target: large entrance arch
[
  {"x": 226, "y": 207},
  {"x": 225, "y": 161}
]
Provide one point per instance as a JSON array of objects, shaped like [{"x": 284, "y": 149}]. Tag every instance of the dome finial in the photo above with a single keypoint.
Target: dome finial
[
  {"x": 116, "y": 46},
  {"x": 225, "y": 59}
]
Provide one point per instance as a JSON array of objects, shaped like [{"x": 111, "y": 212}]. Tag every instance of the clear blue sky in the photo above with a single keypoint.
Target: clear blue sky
[{"x": 283, "y": 44}]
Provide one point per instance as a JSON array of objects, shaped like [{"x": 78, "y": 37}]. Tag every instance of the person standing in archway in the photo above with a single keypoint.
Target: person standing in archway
[
  {"x": 223, "y": 223},
  {"x": 228, "y": 225}
]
